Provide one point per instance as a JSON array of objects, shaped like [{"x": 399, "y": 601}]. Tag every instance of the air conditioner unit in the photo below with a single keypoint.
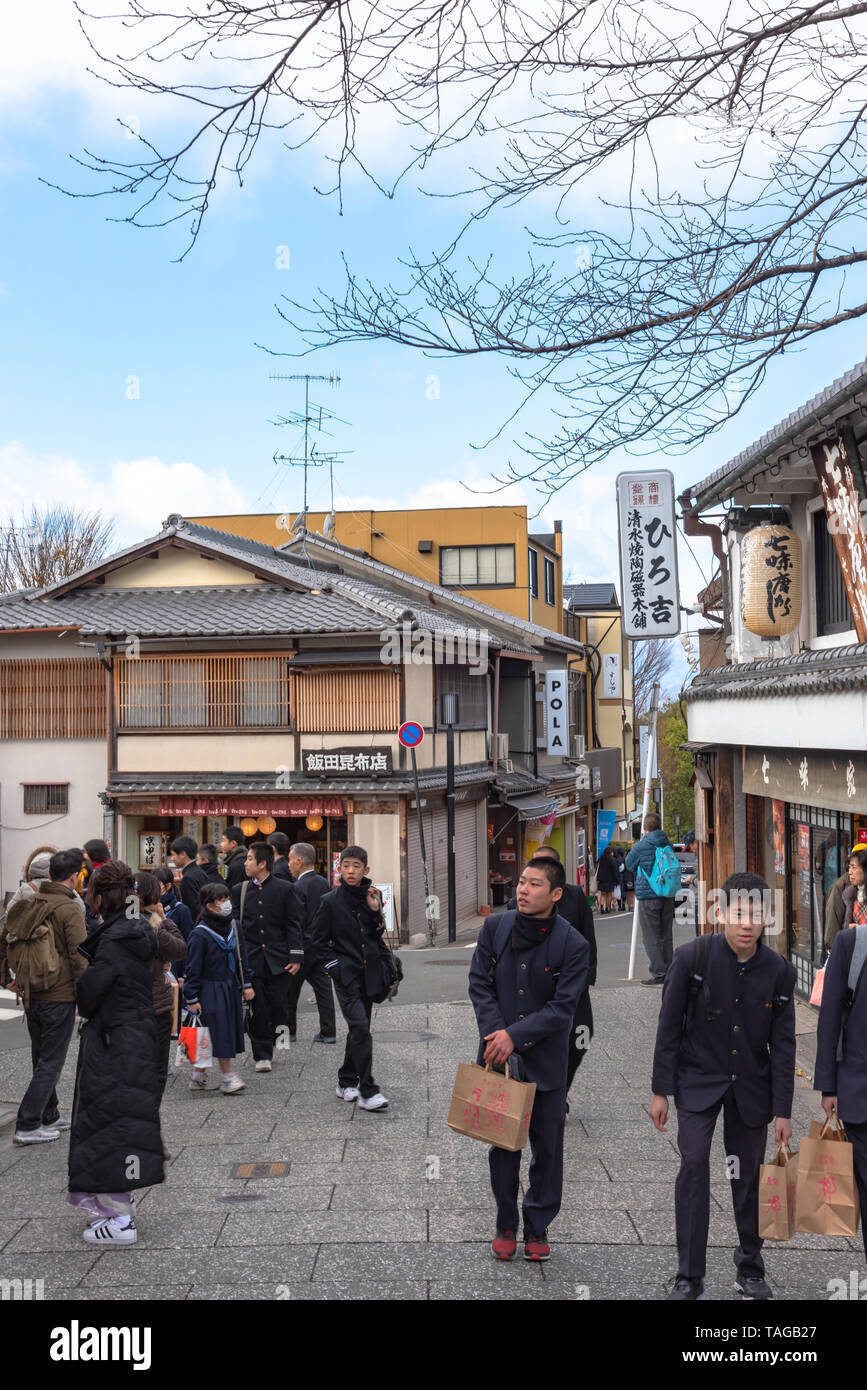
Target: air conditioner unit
[{"x": 579, "y": 745}]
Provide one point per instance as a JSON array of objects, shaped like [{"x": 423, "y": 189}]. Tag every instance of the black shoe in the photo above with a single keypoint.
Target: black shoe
[
  {"x": 320, "y": 1037},
  {"x": 753, "y": 1288},
  {"x": 653, "y": 982},
  {"x": 686, "y": 1290}
]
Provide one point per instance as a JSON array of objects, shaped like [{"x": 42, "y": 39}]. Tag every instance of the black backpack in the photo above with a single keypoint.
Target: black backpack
[{"x": 698, "y": 984}]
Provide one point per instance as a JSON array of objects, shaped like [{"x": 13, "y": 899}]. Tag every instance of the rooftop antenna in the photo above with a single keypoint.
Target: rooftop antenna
[{"x": 312, "y": 419}]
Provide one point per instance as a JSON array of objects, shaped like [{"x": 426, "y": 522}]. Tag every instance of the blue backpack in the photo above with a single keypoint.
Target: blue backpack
[{"x": 664, "y": 878}]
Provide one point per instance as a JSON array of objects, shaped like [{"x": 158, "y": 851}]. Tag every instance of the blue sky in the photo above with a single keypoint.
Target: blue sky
[{"x": 88, "y": 305}]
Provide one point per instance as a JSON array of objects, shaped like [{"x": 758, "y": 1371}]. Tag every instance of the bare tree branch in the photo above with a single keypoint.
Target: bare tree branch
[{"x": 51, "y": 543}]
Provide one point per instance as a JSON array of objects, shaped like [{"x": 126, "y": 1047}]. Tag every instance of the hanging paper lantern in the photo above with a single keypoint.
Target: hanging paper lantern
[
  {"x": 248, "y": 826},
  {"x": 770, "y": 597},
  {"x": 266, "y": 824},
  {"x": 313, "y": 822}
]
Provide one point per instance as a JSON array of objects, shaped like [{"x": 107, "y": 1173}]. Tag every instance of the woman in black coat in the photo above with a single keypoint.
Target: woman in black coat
[
  {"x": 607, "y": 878},
  {"x": 115, "y": 1143}
]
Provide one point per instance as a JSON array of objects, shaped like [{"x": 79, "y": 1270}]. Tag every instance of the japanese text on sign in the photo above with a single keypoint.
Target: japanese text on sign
[{"x": 648, "y": 554}]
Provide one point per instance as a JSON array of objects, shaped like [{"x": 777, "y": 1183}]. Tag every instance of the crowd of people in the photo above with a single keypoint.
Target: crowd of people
[{"x": 133, "y": 954}]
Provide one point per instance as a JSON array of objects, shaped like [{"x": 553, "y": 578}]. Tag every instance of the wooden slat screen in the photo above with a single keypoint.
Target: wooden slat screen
[
  {"x": 52, "y": 697},
  {"x": 345, "y": 702},
  {"x": 203, "y": 692}
]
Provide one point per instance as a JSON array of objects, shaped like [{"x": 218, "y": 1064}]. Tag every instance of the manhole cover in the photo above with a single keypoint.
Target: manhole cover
[{"x": 399, "y": 1035}]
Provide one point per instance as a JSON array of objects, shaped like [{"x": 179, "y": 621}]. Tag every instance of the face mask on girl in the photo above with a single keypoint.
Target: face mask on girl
[{"x": 224, "y": 908}]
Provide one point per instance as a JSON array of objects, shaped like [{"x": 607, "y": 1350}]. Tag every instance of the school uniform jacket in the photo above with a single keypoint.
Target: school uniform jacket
[
  {"x": 846, "y": 1079},
  {"x": 748, "y": 1046},
  {"x": 536, "y": 1011},
  {"x": 576, "y": 909},
  {"x": 311, "y": 888},
  {"x": 271, "y": 924}
]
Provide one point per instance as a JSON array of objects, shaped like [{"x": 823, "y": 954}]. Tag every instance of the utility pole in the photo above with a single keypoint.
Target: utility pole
[{"x": 450, "y": 718}]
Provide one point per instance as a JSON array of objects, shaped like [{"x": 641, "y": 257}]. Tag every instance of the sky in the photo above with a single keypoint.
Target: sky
[{"x": 134, "y": 383}]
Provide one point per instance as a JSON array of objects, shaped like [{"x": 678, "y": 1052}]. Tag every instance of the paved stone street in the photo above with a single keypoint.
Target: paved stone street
[{"x": 358, "y": 1214}]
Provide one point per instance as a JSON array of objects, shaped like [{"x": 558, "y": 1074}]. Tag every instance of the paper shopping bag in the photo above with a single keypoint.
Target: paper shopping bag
[
  {"x": 818, "y": 986},
  {"x": 826, "y": 1200},
  {"x": 777, "y": 1181},
  {"x": 194, "y": 1041},
  {"x": 489, "y": 1106}
]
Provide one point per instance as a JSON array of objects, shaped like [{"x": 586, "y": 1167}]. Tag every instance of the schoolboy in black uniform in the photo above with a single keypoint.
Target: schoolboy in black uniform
[
  {"x": 528, "y": 971},
  {"x": 841, "y": 1061},
  {"x": 725, "y": 1042}
]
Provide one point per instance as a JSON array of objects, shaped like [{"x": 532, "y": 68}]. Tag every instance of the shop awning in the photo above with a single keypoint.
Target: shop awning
[
  {"x": 533, "y": 806},
  {"x": 230, "y": 805}
]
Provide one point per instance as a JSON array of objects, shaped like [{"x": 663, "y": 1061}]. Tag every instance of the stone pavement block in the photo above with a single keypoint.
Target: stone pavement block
[
  {"x": 606, "y": 1196},
  {"x": 159, "y": 1232},
  {"x": 255, "y": 1227},
  {"x": 66, "y": 1268},
  {"x": 249, "y": 1127},
  {"x": 811, "y": 1270},
  {"x": 296, "y": 1291},
  {"x": 447, "y": 1263},
  {"x": 154, "y": 1293},
  {"x": 9, "y": 1227},
  {"x": 579, "y": 1227},
  {"x": 434, "y": 1195},
  {"x": 196, "y": 1154},
  {"x": 9, "y": 1158},
  {"x": 138, "y": 1265},
  {"x": 656, "y": 1228},
  {"x": 185, "y": 1198},
  {"x": 526, "y": 1284},
  {"x": 290, "y": 1128}
]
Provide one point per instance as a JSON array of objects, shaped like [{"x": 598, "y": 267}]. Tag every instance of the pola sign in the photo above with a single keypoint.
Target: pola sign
[{"x": 557, "y": 712}]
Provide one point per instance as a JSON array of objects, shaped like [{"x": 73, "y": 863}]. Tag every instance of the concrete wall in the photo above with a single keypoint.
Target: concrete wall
[
  {"x": 380, "y": 836},
  {"x": 207, "y": 752},
  {"x": 81, "y": 763}
]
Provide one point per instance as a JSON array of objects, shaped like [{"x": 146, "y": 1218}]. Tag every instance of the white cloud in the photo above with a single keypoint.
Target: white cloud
[{"x": 138, "y": 493}]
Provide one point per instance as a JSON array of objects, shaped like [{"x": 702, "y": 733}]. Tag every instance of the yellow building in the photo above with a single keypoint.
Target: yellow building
[
  {"x": 486, "y": 553},
  {"x": 593, "y": 616}
]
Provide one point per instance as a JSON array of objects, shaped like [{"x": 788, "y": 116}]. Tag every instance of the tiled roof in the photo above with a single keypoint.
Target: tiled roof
[
  {"x": 833, "y": 397},
  {"x": 208, "y": 783},
  {"x": 590, "y": 596},
  {"x": 806, "y": 673}
]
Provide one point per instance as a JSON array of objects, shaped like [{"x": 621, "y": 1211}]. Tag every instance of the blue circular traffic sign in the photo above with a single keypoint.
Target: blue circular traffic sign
[{"x": 410, "y": 734}]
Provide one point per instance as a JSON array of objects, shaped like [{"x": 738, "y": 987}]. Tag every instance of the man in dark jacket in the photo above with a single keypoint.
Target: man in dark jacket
[
  {"x": 280, "y": 845},
  {"x": 311, "y": 888},
  {"x": 346, "y": 936},
  {"x": 528, "y": 971},
  {"x": 841, "y": 1053},
  {"x": 578, "y": 913},
  {"x": 206, "y": 859},
  {"x": 184, "y": 850},
  {"x": 234, "y": 852},
  {"x": 655, "y": 914},
  {"x": 50, "y": 1013},
  {"x": 725, "y": 1042},
  {"x": 269, "y": 911}
]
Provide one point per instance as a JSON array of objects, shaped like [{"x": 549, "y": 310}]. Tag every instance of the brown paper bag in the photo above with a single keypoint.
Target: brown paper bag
[
  {"x": 489, "y": 1106},
  {"x": 826, "y": 1201},
  {"x": 777, "y": 1181},
  {"x": 175, "y": 990}
]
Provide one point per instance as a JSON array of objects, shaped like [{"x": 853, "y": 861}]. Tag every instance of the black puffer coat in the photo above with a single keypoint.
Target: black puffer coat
[{"x": 115, "y": 1142}]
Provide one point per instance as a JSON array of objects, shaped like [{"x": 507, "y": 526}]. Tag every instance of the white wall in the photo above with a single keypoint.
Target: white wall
[
  {"x": 801, "y": 721},
  {"x": 81, "y": 763},
  {"x": 380, "y": 836}
]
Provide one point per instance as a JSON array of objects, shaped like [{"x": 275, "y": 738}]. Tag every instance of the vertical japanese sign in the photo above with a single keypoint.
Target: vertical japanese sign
[
  {"x": 611, "y": 677},
  {"x": 557, "y": 712},
  {"x": 836, "y": 473},
  {"x": 648, "y": 554}
]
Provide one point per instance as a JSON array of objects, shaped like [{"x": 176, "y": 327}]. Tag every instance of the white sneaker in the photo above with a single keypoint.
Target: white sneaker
[
  {"x": 107, "y": 1232},
  {"x": 202, "y": 1081},
  {"x": 348, "y": 1092},
  {"x": 377, "y": 1102},
  {"x": 40, "y": 1135},
  {"x": 62, "y": 1122},
  {"x": 262, "y": 1066},
  {"x": 232, "y": 1084}
]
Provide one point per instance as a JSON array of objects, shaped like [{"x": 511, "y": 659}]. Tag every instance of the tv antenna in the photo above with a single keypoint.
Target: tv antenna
[{"x": 314, "y": 419}]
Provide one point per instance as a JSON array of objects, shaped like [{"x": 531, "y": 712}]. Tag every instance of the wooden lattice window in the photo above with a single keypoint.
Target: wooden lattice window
[
  {"x": 46, "y": 798},
  {"x": 52, "y": 697},
  {"x": 345, "y": 702},
  {"x": 248, "y": 691}
]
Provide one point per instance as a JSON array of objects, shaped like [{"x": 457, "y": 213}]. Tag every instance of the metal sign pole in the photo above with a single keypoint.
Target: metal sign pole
[
  {"x": 651, "y": 747},
  {"x": 428, "y": 908}
]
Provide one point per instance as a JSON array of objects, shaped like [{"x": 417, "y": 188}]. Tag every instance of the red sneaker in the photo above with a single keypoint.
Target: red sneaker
[
  {"x": 536, "y": 1247},
  {"x": 504, "y": 1245}
]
